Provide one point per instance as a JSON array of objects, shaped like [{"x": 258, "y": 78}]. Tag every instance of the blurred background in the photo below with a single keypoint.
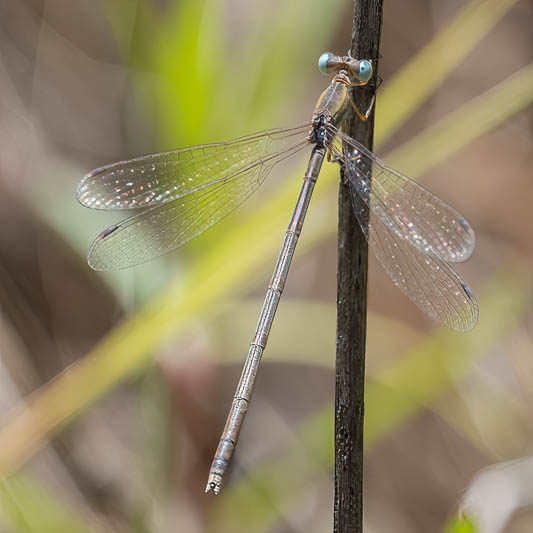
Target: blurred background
[{"x": 114, "y": 387}]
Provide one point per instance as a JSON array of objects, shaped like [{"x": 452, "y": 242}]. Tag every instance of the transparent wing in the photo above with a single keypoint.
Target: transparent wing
[
  {"x": 427, "y": 280},
  {"x": 408, "y": 209},
  {"x": 158, "y": 178},
  {"x": 164, "y": 227}
]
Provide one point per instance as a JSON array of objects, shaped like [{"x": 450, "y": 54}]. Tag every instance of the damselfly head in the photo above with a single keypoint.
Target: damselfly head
[
  {"x": 327, "y": 63},
  {"x": 362, "y": 69},
  {"x": 359, "y": 69}
]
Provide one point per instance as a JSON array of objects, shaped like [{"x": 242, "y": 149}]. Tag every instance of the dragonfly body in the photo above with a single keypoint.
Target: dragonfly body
[
  {"x": 413, "y": 234},
  {"x": 330, "y": 110},
  {"x": 243, "y": 393}
]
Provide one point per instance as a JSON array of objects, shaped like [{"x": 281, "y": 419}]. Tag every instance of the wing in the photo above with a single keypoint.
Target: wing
[
  {"x": 427, "y": 280},
  {"x": 153, "y": 179},
  {"x": 408, "y": 209},
  {"x": 162, "y": 228}
]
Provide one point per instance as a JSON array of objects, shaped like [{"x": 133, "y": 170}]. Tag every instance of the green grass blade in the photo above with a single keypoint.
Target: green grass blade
[
  {"x": 29, "y": 508},
  {"x": 433, "y": 64},
  {"x": 478, "y": 116}
]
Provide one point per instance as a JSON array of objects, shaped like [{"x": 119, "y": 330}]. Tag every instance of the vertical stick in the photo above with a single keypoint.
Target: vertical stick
[{"x": 351, "y": 299}]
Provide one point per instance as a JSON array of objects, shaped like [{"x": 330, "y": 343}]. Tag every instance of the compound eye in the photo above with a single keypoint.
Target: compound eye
[
  {"x": 365, "y": 70},
  {"x": 323, "y": 61}
]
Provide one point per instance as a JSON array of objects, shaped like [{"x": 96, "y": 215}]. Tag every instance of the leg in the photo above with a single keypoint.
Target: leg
[{"x": 363, "y": 116}]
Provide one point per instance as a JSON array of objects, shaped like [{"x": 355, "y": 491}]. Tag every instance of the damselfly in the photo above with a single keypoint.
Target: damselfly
[{"x": 182, "y": 193}]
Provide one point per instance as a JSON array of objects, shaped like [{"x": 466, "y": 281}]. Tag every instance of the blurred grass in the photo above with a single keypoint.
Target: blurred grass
[
  {"x": 29, "y": 508},
  {"x": 210, "y": 85},
  {"x": 154, "y": 451},
  {"x": 435, "y": 62},
  {"x": 392, "y": 396},
  {"x": 216, "y": 275},
  {"x": 187, "y": 45},
  {"x": 481, "y": 114},
  {"x": 499, "y": 413},
  {"x": 297, "y": 341}
]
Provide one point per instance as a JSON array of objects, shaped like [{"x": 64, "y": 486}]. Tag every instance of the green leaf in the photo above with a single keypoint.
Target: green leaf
[{"x": 460, "y": 525}]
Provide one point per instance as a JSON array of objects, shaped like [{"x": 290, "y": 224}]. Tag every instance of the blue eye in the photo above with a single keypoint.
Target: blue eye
[
  {"x": 323, "y": 62},
  {"x": 365, "y": 70}
]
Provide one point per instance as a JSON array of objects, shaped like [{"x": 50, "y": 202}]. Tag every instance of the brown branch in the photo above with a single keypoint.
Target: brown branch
[{"x": 351, "y": 299}]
